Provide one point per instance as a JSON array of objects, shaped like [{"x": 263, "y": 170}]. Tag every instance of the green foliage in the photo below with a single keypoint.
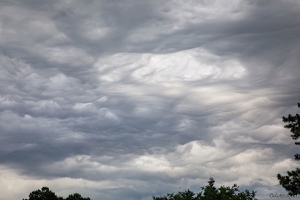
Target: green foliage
[
  {"x": 210, "y": 192},
  {"x": 46, "y": 194},
  {"x": 43, "y": 194},
  {"x": 293, "y": 123},
  {"x": 291, "y": 182},
  {"x": 76, "y": 196}
]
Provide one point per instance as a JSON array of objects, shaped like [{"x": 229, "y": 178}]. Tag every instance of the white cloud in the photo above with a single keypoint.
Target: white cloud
[{"x": 129, "y": 100}]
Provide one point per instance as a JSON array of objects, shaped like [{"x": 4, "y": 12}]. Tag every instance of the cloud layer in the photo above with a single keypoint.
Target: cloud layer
[{"x": 126, "y": 100}]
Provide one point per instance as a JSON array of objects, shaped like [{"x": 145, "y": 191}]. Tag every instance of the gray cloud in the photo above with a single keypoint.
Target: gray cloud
[{"x": 133, "y": 99}]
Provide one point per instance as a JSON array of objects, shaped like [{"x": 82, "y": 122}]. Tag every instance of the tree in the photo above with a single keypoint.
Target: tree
[
  {"x": 43, "y": 194},
  {"x": 46, "y": 194},
  {"x": 291, "y": 182},
  {"x": 76, "y": 196},
  {"x": 210, "y": 192}
]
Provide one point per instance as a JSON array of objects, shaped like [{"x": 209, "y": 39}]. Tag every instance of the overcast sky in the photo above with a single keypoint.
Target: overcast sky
[{"x": 130, "y": 99}]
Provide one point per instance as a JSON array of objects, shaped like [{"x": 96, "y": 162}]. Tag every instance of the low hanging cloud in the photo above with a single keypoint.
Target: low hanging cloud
[{"x": 126, "y": 100}]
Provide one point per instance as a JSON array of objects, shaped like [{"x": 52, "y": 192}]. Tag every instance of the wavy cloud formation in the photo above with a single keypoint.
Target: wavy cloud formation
[{"x": 126, "y": 100}]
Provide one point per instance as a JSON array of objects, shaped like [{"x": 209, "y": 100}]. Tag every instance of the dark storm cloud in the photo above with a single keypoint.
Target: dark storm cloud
[{"x": 135, "y": 99}]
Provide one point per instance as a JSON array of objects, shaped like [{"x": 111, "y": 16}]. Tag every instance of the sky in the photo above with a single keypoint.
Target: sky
[{"x": 130, "y": 99}]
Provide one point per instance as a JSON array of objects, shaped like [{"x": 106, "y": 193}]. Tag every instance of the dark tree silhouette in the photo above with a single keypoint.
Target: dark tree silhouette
[
  {"x": 210, "y": 192},
  {"x": 46, "y": 194},
  {"x": 43, "y": 194},
  {"x": 291, "y": 182},
  {"x": 76, "y": 196}
]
